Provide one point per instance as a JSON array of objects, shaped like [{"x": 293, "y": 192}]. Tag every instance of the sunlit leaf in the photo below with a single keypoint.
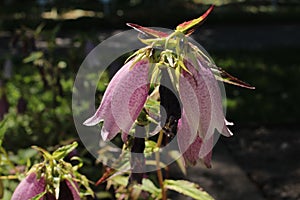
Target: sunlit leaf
[
  {"x": 187, "y": 26},
  {"x": 187, "y": 188}
]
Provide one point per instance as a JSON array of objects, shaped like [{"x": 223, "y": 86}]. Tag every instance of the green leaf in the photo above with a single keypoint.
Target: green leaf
[
  {"x": 120, "y": 180},
  {"x": 63, "y": 151},
  {"x": 148, "y": 186},
  {"x": 33, "y": 56},
  {"x": 187, "y": 188}
]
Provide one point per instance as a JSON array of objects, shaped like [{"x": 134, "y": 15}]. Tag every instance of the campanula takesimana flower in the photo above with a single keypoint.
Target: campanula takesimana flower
[
  {"x": 123, "y": 100},
  {"x": 53, "y": 179},
  {"x": 32, "y": 186},
  {"x": 194, "y": 77},
  {"x": 29, "y": 187}
]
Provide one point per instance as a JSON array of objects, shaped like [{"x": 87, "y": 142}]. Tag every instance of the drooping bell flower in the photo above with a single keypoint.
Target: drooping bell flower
[
  {"x": 29, "y": 187},
  {"x": 53, "y": 179},
  {"x": 32, "y": 186},
  {"x": 202, "y": 113},
  {"x": 123, "y": 99}
]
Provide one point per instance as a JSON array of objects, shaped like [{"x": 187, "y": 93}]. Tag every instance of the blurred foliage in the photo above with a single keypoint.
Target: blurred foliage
[
  {"x": 274, "y": 73},
  {"x": 78, "y": 14}
]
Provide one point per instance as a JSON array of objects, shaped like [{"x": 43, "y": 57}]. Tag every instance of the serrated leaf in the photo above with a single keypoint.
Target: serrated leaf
[
  {"x": 33, "y": 56},
  {"x": 63, "y": 151},
  {"x": 187, "y": 188}
]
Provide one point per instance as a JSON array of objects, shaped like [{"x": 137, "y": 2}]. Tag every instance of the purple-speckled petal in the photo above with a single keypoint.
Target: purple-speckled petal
[
  {"x": 123, "y": 100},
  {"x": 130, "y": 96},
  {"x": 188, "y": 96},
  {"x": 209, "y": 99},
  {"x": 185, "y": 137},
  {"x": 29, "y": 187},
  {"x": 217, "y": 119},
  {"x": 193, "y": 147}
]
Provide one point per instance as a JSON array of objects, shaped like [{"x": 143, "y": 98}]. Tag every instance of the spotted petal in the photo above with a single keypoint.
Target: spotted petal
[
  {"x": 209, "y": 100},
  {"x": 193, "y": 147},
  {"x": 123, "y": 99}
]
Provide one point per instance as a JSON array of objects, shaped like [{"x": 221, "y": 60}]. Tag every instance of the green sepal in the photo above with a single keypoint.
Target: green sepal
[
  {"x": 62, "y": 152},
  {"x": 186, "y": 27},
  {"x": 148, "y": 31}
]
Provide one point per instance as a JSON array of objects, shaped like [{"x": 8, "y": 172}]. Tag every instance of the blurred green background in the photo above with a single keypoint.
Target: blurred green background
[{"x": 43, "y": 43}]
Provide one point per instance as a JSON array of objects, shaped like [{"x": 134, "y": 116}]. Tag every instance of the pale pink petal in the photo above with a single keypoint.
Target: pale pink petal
[
  {"x": 104, "y": 107},
  {"x": 210, "y": 101},
  {"x": 205, "y": 152},
  {"x": 185, "y": 138},
  {"x": 199, "y": 149},
  {"x": 123, "y": 100},
  {"x": 130, "y": 96},
  {"x": 217, "y": 119},
  {"x": 29, "y": 187},
  {"x": 204, "y": 101},
  {"x": 188, "y": 96}
]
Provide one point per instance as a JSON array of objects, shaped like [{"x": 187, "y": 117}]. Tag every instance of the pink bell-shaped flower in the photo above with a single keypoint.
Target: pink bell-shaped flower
[
  {"x": 202, "y": 113},
  {"x": 123, "y": 100},
  {"x": 29, "y": 187}
]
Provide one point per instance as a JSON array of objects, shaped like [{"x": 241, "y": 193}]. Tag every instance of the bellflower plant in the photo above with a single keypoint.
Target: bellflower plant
[
  {"x": 193, "y": 117},
  {"x": 54, "y": 178}
]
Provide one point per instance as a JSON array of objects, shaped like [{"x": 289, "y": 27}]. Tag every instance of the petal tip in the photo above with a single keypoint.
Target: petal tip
[{"x": 91, "y": 121}]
